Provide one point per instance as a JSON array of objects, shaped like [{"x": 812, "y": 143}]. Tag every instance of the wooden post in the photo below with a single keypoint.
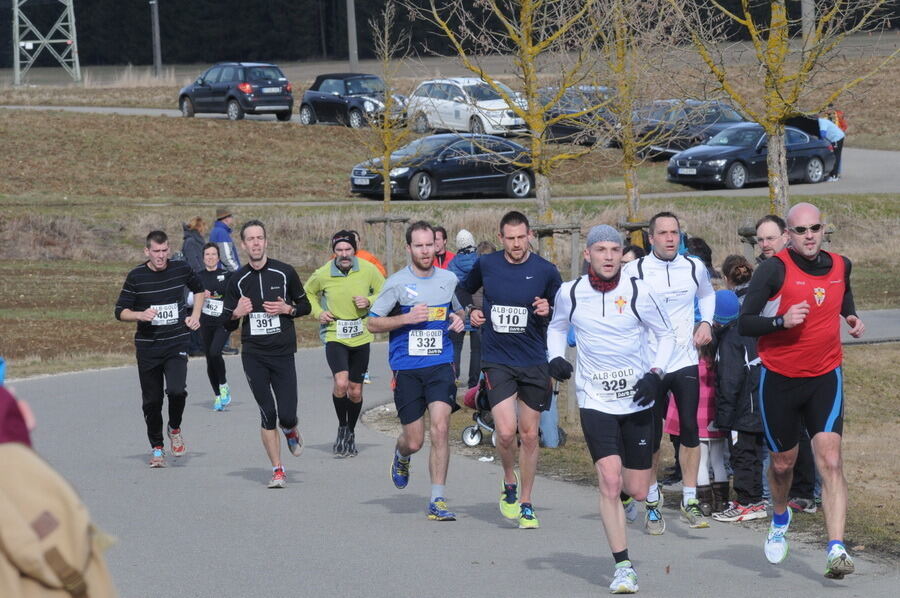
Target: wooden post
[{"x": 388, "y": 237}]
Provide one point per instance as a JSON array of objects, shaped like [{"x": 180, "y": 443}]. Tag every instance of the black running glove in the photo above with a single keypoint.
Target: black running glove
[
  {"x": 647, "y": 389},
  {"x": 560, "y": 368}
]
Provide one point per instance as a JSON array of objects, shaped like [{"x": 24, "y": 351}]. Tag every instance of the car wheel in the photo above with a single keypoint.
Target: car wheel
[
  {"x": 421, "y": 187},
  {"x": 283, "y": 116},
  {"x": 306, "y": 115},
  {"x": 518, "y": 184},
  {"x": 736, "y": 177},
  {"x": 357, "y": 121},
  {"x": 476, "y": 126},
  {"x": 187, "y": 107},
  {"x": 234, "y": 110},
  {"x": 815, "y": 171},
  {"x": 420, "y": 123}
]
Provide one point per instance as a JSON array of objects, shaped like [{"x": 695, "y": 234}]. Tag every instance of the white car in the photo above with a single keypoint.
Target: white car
[{"x": 462, "y": 104}]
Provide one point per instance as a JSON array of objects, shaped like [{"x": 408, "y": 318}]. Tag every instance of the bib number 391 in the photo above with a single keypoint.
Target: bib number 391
[
  {"x": 263, "y": 324},
  {"x": 426, "y": 342},
  {"x": 165, "y": 314},
  {"x": 507, "y": 319}
]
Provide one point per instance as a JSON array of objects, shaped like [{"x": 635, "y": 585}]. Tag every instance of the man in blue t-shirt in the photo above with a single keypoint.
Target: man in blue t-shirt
[
  {"x": 418, "y": 306},
  {"x": 519, "y": 287}
]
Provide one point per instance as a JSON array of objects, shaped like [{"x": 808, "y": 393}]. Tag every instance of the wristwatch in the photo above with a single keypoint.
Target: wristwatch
[
  {"x": 778, "y": 322},
  {"x": 293, "y": 311}
]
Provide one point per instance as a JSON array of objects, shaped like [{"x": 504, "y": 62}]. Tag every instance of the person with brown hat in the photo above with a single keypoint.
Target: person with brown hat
[{"x": 221, "y": 236}]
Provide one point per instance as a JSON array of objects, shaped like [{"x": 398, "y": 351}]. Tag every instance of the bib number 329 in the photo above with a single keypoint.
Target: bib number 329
[
  {"x": 263, "y": 324},
  {"x": 507, "y": 319},
  {"x": 426, "y": 342}
]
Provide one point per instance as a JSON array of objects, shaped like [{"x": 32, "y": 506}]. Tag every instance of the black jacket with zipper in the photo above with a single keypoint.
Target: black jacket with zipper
[{"x": 737, "y": 381}]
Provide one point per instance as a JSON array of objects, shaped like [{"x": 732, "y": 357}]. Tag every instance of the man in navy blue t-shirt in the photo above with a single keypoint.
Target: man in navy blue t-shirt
[{"x": 519, "y": 287}]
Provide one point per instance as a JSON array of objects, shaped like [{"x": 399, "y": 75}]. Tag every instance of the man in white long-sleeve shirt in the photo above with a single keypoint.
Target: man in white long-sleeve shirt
[
  {"x": 677, "y": 281},
  {"x": 616, "y": 383}
]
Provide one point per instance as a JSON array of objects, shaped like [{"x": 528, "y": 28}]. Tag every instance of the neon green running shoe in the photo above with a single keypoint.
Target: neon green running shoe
[
  {"x": 509, "y": 498},
  {"x": 527, "y": 519}
]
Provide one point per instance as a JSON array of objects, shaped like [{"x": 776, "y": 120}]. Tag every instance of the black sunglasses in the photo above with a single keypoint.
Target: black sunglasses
[{"x": 801, "y": 230}]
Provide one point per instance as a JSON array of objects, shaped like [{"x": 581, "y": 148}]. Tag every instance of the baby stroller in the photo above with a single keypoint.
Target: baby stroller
[{"x": 476, "y": 398}]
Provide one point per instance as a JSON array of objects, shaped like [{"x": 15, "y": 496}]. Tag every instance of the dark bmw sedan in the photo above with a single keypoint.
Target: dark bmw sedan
[
  {"x": 737, "y": 156},
  {"x": 450, "y": 164},
  {"x": 238, "y": 88}
]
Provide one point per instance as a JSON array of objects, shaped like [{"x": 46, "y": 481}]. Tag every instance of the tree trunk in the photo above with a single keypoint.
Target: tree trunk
[
  {"x": 542, "y": 192},
  {"x": 386, "y": 185},
  {"x": 776, "y": 162},
  {"x": 632, "y": 190}
]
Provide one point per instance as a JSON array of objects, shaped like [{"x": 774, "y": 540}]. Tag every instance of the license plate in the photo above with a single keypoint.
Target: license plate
[
  {"x": 687, "y": 171},
  {"x": 271, "y": 90},
  {"x": 360, "y": 181}
]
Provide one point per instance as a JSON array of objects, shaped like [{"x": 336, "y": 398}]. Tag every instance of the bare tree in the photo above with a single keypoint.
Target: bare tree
[
  {"x": 550, "y": 45},
  {"x": 793, "y": 77}
]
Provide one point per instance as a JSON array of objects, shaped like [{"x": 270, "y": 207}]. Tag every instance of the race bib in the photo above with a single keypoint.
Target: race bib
[
  {"x": 509, "y": 320},
  {"x": 614, "y": 385},
  {"x": 263, "y": 324},
  {"x": 212, "y": 307},
  {"x": 425, "y": 342},
  {"x": 348, "y": 328},
  {"x": 165, "y": 314}
]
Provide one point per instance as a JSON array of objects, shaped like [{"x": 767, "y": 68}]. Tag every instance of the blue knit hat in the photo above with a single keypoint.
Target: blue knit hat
[{"x": 728, "y": 308}]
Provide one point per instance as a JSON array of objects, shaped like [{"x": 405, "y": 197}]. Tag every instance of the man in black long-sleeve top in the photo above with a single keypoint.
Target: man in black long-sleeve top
[
  {"x": 267, "y": 295},
  {"x": 154, "y": 296}
]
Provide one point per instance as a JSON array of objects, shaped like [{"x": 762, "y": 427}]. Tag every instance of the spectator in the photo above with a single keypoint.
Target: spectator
[
  {"x": 461, "y": 265},
  {"x": 631, "y": 253},
  {"x": 221, "y": 236},
  {"x": 699, "y": 248},
  {"x": 365, "y": 255},
  {"x": 737, "y": 272},
  {"x": 442, "y": 257},
  {"x": 833, "y": 133},
  {"x": 192, "y": 247}
]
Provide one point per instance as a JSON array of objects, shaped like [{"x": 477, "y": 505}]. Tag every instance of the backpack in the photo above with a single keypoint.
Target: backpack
[{"x": 48, "y": 546}]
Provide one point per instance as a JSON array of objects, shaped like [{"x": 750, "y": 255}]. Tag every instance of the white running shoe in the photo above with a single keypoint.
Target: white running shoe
[
  {"x": 776, "y": 543},
  {"x": 624, "y": 580},
  {"x": 839, "y": 563}
]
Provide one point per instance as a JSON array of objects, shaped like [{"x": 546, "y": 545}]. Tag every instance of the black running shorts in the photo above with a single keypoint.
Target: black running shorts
[
  {"x": 354, "y": 360},
  {"x": 628, "y": 435},
  {"x": 787, "y": 403},
  {"x": 415, "y": 389},
  {"x": 684, "y": 384},
  {"x": 532, "y": 384}
]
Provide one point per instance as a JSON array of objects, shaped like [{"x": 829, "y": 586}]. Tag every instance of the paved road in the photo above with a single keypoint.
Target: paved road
[
  {"x": 208, "y": 527},
  {"x": 865, "y": 171}
]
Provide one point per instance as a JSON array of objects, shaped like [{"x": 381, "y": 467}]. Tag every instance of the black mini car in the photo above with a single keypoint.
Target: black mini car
[
  {"x": 238, "y": 88},
  {"x": 450, "y": 164},
  {"x": 351, "y": 99}
]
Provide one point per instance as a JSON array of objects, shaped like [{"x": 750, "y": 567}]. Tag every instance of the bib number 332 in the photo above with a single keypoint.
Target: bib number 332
[{"x": 426, "y": 342}]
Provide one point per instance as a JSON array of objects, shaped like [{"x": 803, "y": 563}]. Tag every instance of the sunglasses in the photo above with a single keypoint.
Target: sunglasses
[{"x": 801, "y": 230}]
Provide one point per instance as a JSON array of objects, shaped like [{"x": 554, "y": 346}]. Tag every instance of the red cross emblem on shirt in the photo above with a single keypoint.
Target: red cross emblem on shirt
[{"x": 620, "y": 303}]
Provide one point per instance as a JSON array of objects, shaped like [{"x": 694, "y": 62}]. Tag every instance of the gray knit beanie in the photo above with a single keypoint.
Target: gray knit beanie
[{"x": 603, "y": 232}]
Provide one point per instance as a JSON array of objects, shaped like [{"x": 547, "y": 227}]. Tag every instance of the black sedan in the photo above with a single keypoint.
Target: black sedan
[
  {"x": 450, "y": 164},
  {"x": 352, "y": 99},
  {"x": 238, "y": 88},
  {"x": 737, "y": 156},
  {"x": 669, "y": 126},
  {"x": 585, "y": 118}
]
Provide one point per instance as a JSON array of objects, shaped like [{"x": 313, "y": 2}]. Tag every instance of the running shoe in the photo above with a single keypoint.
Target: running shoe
[
  {"x": 294, "y": 441},
  {"x": 366, "y": 379},
  {"x": 737, "y": 512},
  {"x": 624, "y": 579},
  {"x": 400, "y": 471},
  {"x": 178, "y": 448},
  {"x": 224, "y": 394},
  {"x": 438, "y": 511},
  {"x": 338, "y": 447},
  {"x": 839, "y": 563},
  {"x": 350, "y": 445},
  {"x": 229, "y": 351},
  {"x": 776, "y": 544},
  {"x": 527, "y": 519},
  {"x": 279, "y": 479},
  {"x": 631, "y": 509},
  {"x": 217, "y": 404},
  {"x": 653, "y": 519},
  {"x": 693, "y": 515},
  {"x": 158, "y": 457},
  {"x": 509, "y": 498},
  {"x": 803, "y": 505}
]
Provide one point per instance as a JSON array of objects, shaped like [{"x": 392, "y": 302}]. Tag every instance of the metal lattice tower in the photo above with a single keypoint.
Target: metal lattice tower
[{"x": 60, "y": 40}]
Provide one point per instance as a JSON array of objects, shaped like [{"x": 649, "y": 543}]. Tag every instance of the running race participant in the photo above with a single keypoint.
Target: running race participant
[
  {"x": 154, "y": 296},
  {"x": 518, "y": 289},
  {"x": 417, "y": 305},
  {"x": 616, "y": 385},
  {"x": 794, "y": 305},
  {"x": 442, "y": 255},
  {"x": 677, "y": 280},
  {"x": 348, "y": 286},
  {"x": 212, "y": 323},
  {"x": 267, "y": 295}
]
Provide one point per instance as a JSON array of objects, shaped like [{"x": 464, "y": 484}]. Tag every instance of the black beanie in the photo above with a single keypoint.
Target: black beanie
[{"x": 343, "y": 236}]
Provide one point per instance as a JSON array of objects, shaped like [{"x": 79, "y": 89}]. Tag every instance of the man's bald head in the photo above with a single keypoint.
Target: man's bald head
[{"x": 803, "y": 213}]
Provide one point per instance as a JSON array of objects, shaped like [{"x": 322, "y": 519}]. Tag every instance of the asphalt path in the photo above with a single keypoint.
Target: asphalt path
[
  {"x": 864, "y": 171},
  {"x": 207, "y": 526}
]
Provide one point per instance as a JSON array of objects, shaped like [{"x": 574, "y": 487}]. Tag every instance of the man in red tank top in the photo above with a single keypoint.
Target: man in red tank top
[{"x": 794, "y": 305}]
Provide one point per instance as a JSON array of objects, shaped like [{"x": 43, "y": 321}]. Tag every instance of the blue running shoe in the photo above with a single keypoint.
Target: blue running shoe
[
  {"x": 224, "y": 394},
  {"x": 400, "y": 472},
  {"x": 438, "y": 511},
  {"x": 217, "y": 404}
]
